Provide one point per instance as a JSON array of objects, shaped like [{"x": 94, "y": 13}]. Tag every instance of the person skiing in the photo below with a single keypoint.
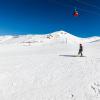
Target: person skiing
[{"x": 80, "y": 50}]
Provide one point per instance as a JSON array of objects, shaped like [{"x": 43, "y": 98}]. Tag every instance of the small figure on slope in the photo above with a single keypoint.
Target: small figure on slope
[{"x": 80, "y": 50}]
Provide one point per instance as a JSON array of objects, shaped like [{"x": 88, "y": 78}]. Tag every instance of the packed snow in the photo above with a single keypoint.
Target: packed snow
[{"x": 46, "y": 67}]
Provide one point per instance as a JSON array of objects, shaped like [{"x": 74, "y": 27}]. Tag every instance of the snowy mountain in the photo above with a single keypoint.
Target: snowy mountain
[
  {"x": 45, "y": 67},
  {"x": 71, "y": 38},
  {"x": 59, "y": 35}
]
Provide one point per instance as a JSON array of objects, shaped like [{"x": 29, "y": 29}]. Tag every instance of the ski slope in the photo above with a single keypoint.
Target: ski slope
[{"x": 44, "y": 67}]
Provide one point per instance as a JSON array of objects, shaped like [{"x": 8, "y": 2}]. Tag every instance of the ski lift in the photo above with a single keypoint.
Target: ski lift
[{"x": 75, "y": 14}]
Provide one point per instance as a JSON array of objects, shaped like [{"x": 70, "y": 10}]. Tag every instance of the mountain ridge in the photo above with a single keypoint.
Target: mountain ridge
[{"x": 58, "y": 35}]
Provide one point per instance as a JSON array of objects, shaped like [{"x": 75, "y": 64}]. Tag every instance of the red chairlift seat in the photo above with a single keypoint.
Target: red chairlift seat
[{"x": 75, "y": 13}]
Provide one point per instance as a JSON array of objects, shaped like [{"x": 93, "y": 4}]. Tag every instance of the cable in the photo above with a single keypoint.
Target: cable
[
  {"x": 87, "y": 11},
  {"x": 84, "y": 3}
]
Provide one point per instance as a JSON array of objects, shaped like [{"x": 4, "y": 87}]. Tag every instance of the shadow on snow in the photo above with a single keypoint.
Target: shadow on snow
[{"x": 71, "y": 56}]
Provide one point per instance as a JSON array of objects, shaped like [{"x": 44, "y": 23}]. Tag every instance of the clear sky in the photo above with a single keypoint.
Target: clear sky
[{"x": 45, "y": 16}]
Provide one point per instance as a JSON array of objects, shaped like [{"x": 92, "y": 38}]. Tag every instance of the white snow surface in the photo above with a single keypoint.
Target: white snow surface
[{"x": 45, "y": 67}]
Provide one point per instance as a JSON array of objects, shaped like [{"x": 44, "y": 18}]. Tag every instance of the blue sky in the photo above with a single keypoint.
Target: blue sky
[{"x": 45, "y": 16}]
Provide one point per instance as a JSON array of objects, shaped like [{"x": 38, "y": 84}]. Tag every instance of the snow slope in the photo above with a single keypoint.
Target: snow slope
[{"x": 44, "y": 67}]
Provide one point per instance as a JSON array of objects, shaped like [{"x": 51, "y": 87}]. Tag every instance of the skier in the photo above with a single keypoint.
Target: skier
[{"x": 80, "y": 50}]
